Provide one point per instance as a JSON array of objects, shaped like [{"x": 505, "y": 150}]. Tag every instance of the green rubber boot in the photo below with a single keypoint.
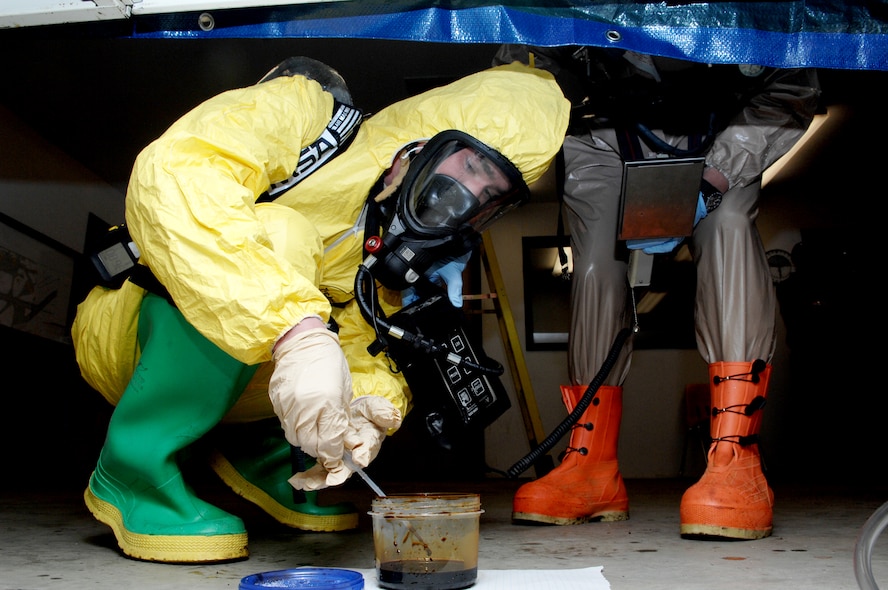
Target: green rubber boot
[
  {"x": 182, "y": 387},
  {"x": 255, "y": 460}
]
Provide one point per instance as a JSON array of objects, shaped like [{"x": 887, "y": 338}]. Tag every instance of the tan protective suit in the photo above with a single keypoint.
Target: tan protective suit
[
  {"x": 752, "y": 116},
  {"x": 735, "y": 304},
  {"x": 243, "y": 274},
  {"x": 735, "y": 301}
]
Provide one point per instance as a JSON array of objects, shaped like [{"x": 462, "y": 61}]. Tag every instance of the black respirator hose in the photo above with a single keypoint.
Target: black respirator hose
[
  {"x": 525, "y": 462},
  {"x": 365, "y": 294},
  {"x": 364, "y": 290}
]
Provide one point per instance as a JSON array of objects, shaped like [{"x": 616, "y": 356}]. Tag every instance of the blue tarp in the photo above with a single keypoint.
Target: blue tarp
[{"x": 825, "y": 34}]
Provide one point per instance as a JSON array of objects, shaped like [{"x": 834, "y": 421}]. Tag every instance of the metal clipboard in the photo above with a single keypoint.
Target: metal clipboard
[{"x": 659, "y": 198}]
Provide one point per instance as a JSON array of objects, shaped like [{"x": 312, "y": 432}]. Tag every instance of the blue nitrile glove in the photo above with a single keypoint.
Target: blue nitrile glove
[
  {"x": 664, "y": 245},
  {"x": 654, "y": 245},
  {"x": 446, "y": 272}
]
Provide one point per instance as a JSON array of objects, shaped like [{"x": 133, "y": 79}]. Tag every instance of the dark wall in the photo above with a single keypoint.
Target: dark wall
[
  {"x": 102, "y": 100},
  {"x": 834, "y": 427},
  {"x": 52, "y": 424}
]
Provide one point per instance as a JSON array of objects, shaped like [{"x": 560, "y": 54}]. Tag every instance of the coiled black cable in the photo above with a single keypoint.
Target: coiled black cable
[{"x": 529, "y": 459}]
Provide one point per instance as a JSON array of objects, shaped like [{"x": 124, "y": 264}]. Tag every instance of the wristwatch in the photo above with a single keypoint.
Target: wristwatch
[{"x": 712, "y": 197}]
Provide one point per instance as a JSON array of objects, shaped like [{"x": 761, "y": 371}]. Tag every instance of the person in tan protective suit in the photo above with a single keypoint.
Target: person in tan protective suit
[
  {"x": 741, "y": 119},
  {"x": 244, "y": 319}
]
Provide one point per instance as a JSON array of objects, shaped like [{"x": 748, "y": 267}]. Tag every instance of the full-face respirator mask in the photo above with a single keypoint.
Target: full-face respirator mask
[{"x": 454, "y": 188}]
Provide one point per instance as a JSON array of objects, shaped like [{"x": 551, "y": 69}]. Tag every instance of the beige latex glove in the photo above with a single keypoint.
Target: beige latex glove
[
  {"x": 310, "y": 389},
  {"x": 371, "y": 418}
]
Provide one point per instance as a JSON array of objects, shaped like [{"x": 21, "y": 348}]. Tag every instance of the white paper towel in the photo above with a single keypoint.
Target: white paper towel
[{"x": 589, "y": 578}]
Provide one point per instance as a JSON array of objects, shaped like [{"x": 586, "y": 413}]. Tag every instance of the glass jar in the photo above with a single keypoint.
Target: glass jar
[{"x": 426, "y": 541}]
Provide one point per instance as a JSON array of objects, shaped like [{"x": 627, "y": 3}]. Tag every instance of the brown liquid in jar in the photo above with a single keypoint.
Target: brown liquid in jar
[{"x": 426, "y": 575}]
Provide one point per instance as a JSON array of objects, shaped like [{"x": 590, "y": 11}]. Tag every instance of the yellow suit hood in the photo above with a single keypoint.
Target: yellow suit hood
[{"x": 191, "y": 203}]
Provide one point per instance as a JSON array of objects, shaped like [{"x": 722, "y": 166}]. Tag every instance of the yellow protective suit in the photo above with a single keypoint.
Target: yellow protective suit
[{"x": 243, "y": 274}]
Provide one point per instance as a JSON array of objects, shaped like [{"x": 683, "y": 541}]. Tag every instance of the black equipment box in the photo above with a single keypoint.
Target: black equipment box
[{"x": 449, "y": 398}]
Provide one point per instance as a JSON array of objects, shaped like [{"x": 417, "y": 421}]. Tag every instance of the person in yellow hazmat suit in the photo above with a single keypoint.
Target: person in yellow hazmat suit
[{"x": 248, "y": 215}]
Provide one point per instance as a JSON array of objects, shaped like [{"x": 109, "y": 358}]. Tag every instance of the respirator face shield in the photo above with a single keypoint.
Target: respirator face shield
[
  {"x": 457, "y": 181},
  {"x": 455, "y": 187}
]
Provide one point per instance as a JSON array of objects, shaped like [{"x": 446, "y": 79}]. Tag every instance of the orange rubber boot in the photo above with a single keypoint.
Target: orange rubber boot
[
  {"x": 587, "y": 485},
  {"x": 732, "y": 500}
]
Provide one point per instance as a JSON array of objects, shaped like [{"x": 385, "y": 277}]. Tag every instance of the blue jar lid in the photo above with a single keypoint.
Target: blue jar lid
[{"x": 319, "y": 578}]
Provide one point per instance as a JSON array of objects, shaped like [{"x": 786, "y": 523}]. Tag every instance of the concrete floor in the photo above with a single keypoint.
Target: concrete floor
[{"x": 48, "y": 540}]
